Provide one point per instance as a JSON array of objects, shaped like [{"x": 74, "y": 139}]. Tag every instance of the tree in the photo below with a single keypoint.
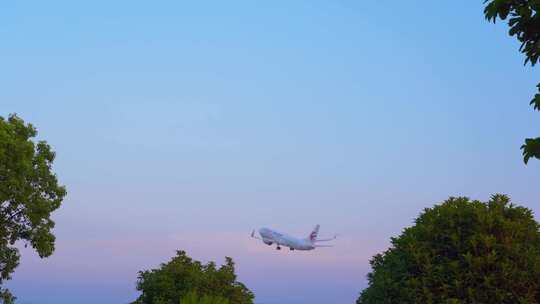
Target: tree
[
  {"x": 461, "y": 251},
  {"x": 182, "y": 275},
  {"x": 193, "y": 298},
  {"x": 29, "y": 193},
  {"x": 524, "y": 23}
]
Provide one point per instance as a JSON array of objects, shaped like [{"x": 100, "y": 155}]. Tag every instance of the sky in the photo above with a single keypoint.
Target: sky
[{"x": 185, "y": 125}]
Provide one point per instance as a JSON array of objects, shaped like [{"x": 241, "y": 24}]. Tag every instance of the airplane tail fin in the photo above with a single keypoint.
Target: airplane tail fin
[{"x": 314, "y": 233}]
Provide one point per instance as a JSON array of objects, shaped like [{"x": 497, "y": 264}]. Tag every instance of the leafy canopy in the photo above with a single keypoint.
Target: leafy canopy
[
  {"x": 182, "y": 276},
  {"x": 193, "y": 298},
  {"x": 29, "y": 193},
  {"x": 524, "y": 23},
  {"x": 461, "y": 251}
]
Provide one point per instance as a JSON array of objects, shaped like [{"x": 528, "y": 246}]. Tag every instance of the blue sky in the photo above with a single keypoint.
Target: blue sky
[{"x": 186, "y": 125}]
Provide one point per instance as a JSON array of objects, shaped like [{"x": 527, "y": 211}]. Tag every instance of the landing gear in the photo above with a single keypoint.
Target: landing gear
[
  {"x": 278, "y": 248},
  {"x": 292, "y": 249}
]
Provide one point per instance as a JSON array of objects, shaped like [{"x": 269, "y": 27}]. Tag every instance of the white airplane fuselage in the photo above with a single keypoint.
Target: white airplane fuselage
[{"x": 270, "y": 237}]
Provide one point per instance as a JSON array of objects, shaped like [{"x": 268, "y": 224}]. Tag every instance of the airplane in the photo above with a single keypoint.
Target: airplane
[{"x": 269, "y": 237}]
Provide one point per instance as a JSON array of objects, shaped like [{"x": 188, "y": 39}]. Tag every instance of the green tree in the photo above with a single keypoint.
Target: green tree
[
  {"x": 29, "y": 193},
  {"x": 182, "y": 275},
  {"x": 193, "y": 298},
  {"x": 461, "y": 251},
  {"x": 524, "y": 23}
]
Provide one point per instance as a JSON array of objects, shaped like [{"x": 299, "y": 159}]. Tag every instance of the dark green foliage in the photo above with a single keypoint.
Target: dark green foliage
[
  {"x": 29, "y": 193},
  {"x": 535, "y": 102},
  {"x": 531, "y": 148},
  {"x": 182, "y": 275},
  {"x": 524, "y": 23},
  {"x": 193, "y": 298},
  {"x": 461, "y": 251}
]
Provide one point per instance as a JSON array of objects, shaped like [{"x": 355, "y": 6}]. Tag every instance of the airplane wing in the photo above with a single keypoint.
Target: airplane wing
[
  {"x": 326, "y": 240},
  {"x": 254, "y": 236},
  {"x": 324, "y": 246}
]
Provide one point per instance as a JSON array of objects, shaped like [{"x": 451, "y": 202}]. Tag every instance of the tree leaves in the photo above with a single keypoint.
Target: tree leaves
[
  {"x": 29, "y": 193},
  {"x": 535, "y": 102},
  {"x": 500, "y": 8},
  {"x": 524, "y": 24},
  {"x": 193, "y": 298},
  {"x": 461, "y": 251},
  {"x": 531, "y": 148},
  {"x": 184, "y": 279}
]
